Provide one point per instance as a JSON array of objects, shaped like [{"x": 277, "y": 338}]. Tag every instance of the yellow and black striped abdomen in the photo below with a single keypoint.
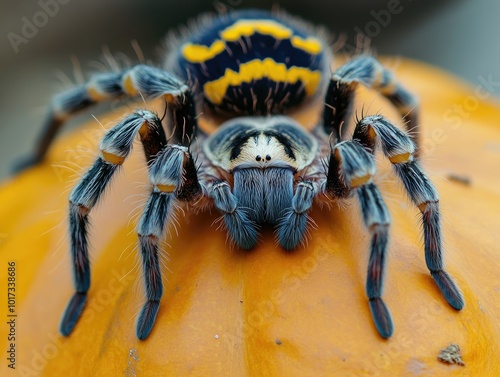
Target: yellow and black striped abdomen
[{"x": 254, "y": 62}]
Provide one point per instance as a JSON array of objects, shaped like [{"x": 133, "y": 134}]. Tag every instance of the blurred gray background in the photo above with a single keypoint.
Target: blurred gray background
[{"x": 460, "y": 36}]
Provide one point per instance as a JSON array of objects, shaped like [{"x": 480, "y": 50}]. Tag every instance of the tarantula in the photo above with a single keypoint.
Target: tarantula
[{"x": 250, "y": 69}]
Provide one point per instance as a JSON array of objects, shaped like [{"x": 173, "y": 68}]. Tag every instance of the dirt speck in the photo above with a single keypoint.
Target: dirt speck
[
  {"x": 451, "y": 355},
  {"x": 466, "y": 181},
  {"x": 278, "y": 342}
]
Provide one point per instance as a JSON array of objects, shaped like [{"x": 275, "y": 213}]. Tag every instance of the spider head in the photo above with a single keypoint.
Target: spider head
[
  {"x": 263, "y": 154},
  {"x": 261, "y": 142}
]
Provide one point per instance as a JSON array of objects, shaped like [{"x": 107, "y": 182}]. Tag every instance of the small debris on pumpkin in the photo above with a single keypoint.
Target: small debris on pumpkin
[
  {"x": 480, "y": 306},
  {"x": 451, "y": 355},
  {"x": 216, "y": 336},
  {"x": 133, "y": 354},
  {"x": 133, "y": 360},
  {"x": 278, "y": 342},
  {"x": 459, "y": 179}
]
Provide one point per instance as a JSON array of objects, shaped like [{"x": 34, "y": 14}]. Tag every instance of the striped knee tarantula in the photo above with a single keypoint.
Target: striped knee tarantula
[{"x": 251, "y": 68}]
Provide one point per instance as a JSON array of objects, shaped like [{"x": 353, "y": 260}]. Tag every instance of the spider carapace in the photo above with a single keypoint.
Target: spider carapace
[{"x": 251, "y": 68}]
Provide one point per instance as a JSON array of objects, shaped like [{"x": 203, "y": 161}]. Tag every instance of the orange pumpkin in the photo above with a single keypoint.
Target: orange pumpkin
[{"x": 266, "y": 311}]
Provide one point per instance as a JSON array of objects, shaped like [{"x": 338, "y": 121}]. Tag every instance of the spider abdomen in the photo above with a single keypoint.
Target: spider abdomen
[{"x": 254, "y": 62}]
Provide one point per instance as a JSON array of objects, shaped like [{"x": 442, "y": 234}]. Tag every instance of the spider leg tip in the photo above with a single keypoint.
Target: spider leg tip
[
  {"x": 147, "y": 319},
  {"x": 72, "y": 313},
  {"x": 382, "y": 317},
  {"x": 449, "y": 289}
]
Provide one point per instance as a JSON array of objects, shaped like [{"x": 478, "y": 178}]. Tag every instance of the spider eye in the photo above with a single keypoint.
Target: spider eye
[
  {"x": 268, "y": 157},
  {"x": 258, "y": 158}
]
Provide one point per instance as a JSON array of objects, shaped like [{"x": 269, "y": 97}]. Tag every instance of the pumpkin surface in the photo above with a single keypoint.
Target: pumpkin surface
[{"x": 266, "y": 312}]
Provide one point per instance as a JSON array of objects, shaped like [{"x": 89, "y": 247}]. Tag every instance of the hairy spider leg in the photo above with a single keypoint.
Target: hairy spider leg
[
  {"x": 159, "y": 208},
  {"x": 368, "y": 71},
  {"x": 173, "y": 177},
  {"x": 377, "y": 220},
  {"x": 115, "y": 147},
  {"x": 173, "y": 170},
  {"x": 350, "y": 169},
  {"x": 241, "y": 229},
  {"x": 292, "y": 227},
  {"x": 141, "y": 79},
  {"x": 309, "y": 185},
  {"x": 400, "y": 150}
]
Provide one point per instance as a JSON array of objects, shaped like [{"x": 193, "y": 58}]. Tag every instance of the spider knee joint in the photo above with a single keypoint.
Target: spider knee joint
[
  {"x": 80, "y": 209},
  {"x": 360, "y": 181},
  {"x": 303, "y": 197},
  {"x": 429, "y": 206},
  {"x": 223, "y": 198},
  {"x": 112, "y": 158},
  {"x": 379, "y": 228},
  {"x": 401, "y": 158},
  {"x": 167, "y": 174},
  {"x": 397, "y": 145},
  {"x": 149, "y": 239},
  {"x": 166, "y": 188}
]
